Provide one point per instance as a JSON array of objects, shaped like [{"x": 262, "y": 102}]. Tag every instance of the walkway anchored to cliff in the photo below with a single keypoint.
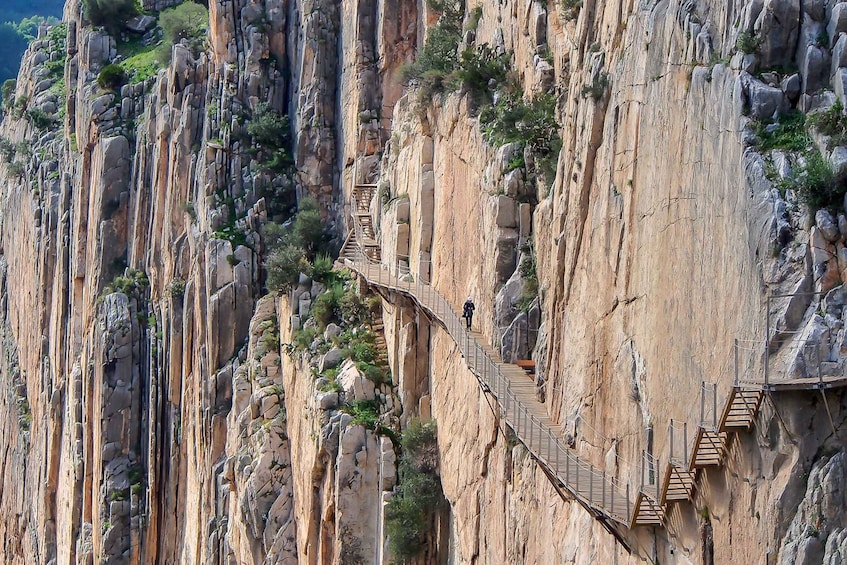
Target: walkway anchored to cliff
[
  {"x": 663, "y": 481},
  {"x": 601, "y": 494}
]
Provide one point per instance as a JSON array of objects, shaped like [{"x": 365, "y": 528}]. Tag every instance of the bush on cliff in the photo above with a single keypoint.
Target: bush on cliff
[
  {"x": 294, "y": 247},
  {"x": 186, "y": 21},
  {"x": 111, "y": 77},
  {"x": 409, "y": 515},
  {"x": 111, "y": 14}
]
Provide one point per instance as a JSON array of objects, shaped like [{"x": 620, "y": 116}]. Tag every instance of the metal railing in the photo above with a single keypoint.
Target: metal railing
[
  {"x": 591, "y": 486},
  {"x": 786, "y": 362}
]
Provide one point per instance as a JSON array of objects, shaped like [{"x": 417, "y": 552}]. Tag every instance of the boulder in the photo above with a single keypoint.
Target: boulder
[
  {"x": 826, "y": 224},
  {"x": 839, "y": 53},
  {"x": 356, "y": 386},
  {"x": 513, "y": 183},
  {"x": 330, "y": 359},
  {"x": 506, "y": 212},
  {"x": 838, "y": 162},
  {"x": 837, "y": 21},
  {"x": 765, "y": 101},
  {"x": 141, "y": 23},
  {"x": 839, "y": 85},
  {"x": 814, "y": 67},
  {"x": 777, "y": 27}
]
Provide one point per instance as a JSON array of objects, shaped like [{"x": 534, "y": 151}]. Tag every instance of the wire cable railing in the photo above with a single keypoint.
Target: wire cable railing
[{"x": 594, "y": 488}]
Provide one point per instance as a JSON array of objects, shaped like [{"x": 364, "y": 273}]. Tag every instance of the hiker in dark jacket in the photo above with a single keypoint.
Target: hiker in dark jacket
[{"x": 467, "y": 311}]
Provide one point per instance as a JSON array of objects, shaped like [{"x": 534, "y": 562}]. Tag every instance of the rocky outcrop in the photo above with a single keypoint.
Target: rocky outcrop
[{"x": 155, "y": 406}]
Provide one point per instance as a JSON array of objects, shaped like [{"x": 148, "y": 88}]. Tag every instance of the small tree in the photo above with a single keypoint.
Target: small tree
[
  {"x": 7, "y": 92},
  {"x": 186, "y": 21},
  {"x": 111, "y": 14},
  {"x": 284, "y": 265},
  {"x": 111, "y": 77}
]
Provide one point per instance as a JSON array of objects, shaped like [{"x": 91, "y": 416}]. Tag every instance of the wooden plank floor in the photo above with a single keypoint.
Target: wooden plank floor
[{"x": 520, "y": 406}]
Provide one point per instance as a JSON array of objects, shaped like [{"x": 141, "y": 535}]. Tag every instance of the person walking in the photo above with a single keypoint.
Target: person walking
[{"x": 467, "y": 311}]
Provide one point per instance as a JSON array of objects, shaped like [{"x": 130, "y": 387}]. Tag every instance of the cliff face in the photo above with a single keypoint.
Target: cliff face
[{"x": 152, "y": 411}]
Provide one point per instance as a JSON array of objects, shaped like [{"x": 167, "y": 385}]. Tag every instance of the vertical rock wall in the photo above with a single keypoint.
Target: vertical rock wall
[{"x": 146, "y": 413}]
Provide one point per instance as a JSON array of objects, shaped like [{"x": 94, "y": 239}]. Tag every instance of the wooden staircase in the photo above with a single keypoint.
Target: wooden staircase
[
  {"x": 606, "y": 498},
  {"x": 741, "y": 408}
]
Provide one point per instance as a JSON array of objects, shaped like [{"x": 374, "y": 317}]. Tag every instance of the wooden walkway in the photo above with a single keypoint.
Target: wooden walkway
[{"x": 603, "y": 495}]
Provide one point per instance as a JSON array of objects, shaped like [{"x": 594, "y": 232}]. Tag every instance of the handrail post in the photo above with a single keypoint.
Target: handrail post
[
  {"x": 715, "y": 407},
  {"x": 767, "y": 339},
  {"x": 685, "y": 443},
  {"x": 670, "y": 433},
  {"x": 591, "y": 484},
  {"x": 820, "y": 372},
  {"x": 603, "y": 487},
  {"x": 558, "y": 472},
  {"x": 628, "y": 508},
  {"x": 702, "y": 404},
  {"x": 643, "y": 456},
  {"x": 612, "y": 489},
  {"x": 735, "y": 354},
  {"x": 656, "y": 475},
  {"x": 576, "y": 462}
]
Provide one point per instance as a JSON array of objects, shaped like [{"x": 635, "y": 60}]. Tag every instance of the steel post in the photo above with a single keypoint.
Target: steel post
[
  {"x": 735, "y": 354},
  {"x": 767, "y": 339},
  {"x": 591, "y": 483},
  {"x": 603, "y": 487},
  {"x": 656, "y": 475},
  {"x": 670, "y": 433},
  {"x": 715, "y": 407}
]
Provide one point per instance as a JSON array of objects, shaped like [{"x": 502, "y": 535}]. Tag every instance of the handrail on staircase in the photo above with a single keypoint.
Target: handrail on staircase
[{"x": 602, "y": 490}]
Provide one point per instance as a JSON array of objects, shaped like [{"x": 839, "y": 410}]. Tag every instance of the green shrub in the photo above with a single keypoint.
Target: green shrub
[
  {"x": 788, "y": 134},
  {"x": 132, "y": 283},
  {"x": 309, "y": 227},
  {"x": 185, "y": 21},
  {"x": 111, "y": 14},
  {"x": 271, "y": 132},
  {"x": 409, "y": 515},
  {"x": 597, "y": 88},
  {"x": 365, "y": 413},
  {"x": 571, "y": 9},
  {"x": 176, "y": 288},
  {"x": 747, "y": 43},
  {"x": 478, "y": 67},
  {"x": 269, "y": 128},
  {"x": 284, "y": 265},
  {"x": 111, "y": 77},
  {"x": 16, "y": 169},
  {"x": 322, "y": 268},
  {"x": 473, "y": 18},
  {"x": 326, "y": 308},
  {"x": 303, "y": 338},
  {"x": 439, "y": 56},
  {"x": 831, "y": 122},
  {"x": 7, "y": 92},
  {"x": 39, "y": 118},
  {"x": 813, "y": 180},
  {"x": 531, "y": 124}
]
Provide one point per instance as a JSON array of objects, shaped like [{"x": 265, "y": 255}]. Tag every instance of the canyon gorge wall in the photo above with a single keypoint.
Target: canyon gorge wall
[{"x": 153, "y": 407}]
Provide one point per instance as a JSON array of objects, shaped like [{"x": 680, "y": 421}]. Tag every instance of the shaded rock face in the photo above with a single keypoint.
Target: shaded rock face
[{"x": 127, "y": 417}]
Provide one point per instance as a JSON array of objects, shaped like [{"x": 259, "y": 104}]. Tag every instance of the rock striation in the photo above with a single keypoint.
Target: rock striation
[{"x": 158, "y": 405}]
